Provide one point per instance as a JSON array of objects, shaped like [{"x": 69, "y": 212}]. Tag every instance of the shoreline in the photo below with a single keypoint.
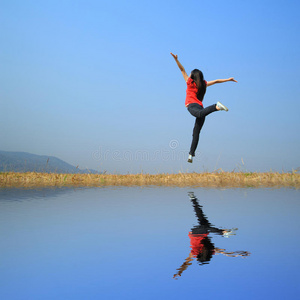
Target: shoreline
[{"x": 211, "y": 179}]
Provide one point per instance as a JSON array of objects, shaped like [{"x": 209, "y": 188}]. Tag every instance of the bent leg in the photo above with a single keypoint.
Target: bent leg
[
  {"x": 198, "y": 111},
  {"x": 196, "y": 132}
]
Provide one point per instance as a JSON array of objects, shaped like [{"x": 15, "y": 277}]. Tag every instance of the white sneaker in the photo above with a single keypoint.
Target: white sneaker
[
  {"x": 191, "y": 195},
  {"x": 190, "y": 159},
  {"x": 230, "y": 232},
  {"x": 221, "y": 106}
]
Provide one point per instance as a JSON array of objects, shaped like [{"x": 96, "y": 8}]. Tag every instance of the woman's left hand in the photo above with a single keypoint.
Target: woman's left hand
[
  {"x": 174, "y": 55},
  {"x": 231, "y": 79}
]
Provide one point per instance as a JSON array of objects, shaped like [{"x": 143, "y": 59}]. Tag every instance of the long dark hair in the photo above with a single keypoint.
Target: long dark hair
[
  {"x": 197, "y": 76},
  {"x": 207, "y": 252}
]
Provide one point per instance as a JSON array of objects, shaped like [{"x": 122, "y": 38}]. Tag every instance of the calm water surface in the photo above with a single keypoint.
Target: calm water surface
[{"x": 135, "y": 243}]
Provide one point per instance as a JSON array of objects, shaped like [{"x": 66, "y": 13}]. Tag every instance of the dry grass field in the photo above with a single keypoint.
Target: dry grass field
[{"x": 214, "y": 179}]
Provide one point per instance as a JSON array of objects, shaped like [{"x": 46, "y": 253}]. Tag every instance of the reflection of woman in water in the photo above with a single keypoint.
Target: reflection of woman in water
[{"x": 201, "y": 246}]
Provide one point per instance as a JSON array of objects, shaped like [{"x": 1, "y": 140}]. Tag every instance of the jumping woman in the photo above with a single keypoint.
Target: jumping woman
[{"x": 196, "y": 89}]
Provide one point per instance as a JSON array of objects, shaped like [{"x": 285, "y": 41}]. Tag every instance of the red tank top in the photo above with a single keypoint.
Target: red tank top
[
  {"x": 191, "y": 93},
  {"x": 196, "y": 243}
]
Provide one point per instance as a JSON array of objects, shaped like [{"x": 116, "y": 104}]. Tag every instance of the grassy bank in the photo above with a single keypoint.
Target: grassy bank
[{"x": 221, "y": 179}]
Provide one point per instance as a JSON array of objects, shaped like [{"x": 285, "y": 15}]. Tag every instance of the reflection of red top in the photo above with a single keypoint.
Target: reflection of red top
[
  {"x": 191, "y": 92},
  {"x": 196, "y": 244}
]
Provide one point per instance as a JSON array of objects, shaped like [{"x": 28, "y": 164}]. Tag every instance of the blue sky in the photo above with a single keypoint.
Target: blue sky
[{"x": 93, "y": 83}]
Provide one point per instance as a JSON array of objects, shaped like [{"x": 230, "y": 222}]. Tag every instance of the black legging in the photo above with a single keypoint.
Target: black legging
[
  {"x": 204, "y": 226},
  {"x": 200, "y": 113}
]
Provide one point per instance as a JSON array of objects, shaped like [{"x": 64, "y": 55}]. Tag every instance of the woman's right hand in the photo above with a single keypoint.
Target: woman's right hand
[{"x": 232, "y": 79}]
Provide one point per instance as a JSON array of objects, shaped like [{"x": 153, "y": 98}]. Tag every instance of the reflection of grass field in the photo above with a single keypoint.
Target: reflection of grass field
[{"x": 221, "y": 179}]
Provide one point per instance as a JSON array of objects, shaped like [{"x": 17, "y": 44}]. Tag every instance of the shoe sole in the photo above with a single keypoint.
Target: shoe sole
[{"x": 223, "y": 107}]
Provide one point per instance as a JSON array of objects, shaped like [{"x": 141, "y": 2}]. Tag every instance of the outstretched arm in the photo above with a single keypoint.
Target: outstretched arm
[
  {"x": 184, "y": 266},
  {"x": 232, "y": 253},
  {"x": 220, "y": 81},
  {"x": 185, "y": 76}
]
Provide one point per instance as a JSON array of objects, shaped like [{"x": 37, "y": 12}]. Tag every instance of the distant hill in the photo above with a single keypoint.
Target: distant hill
[{"x": 26, "y": 162}]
